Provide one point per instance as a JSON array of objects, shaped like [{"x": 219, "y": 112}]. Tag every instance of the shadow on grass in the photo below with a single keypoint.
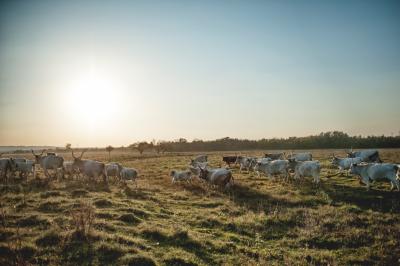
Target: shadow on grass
[
  {"x": 256, "y": 200},
  {"x": 183, "y": 240},
  {"x": 377, "y": 200}
]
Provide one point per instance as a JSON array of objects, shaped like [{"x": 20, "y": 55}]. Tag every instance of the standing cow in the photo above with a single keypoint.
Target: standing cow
[
  {"x": 113, "y": 170},
  {"x": 230, "y": 159},
  {"x": 89, "y": 168},
  {"x": 275, "y": 167},
  {"x": 301, "y": 157},
  {"x": 367, "y": 156},
  {"x": 217, "y": 176},
  {"x": 48, "y": 162},
  {"x": 306, "y": 169},
  {"x": 375, "y": 171},
  {"x": 345, "y": 163}
]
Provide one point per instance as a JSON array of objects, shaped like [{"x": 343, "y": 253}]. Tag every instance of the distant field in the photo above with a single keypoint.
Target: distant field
[{"x": 258, "y": 222}]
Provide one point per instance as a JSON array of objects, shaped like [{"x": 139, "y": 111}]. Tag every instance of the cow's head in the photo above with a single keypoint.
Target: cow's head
[
  {"x": 37, "y": 156},
  {"x": 77, "y": 160},
  {"x": 172, "y": 173},
  {"x": 203, "y": 173},
  {"x": 335, "y": 160},
  {"x": 292, "y": 163},
  {"x": 350, "y": 153}
]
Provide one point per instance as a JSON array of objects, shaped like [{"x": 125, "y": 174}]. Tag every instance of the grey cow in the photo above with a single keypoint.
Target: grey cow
[
  {"x": 48, "y": 162},
  {"x": 89, "y": 168}
]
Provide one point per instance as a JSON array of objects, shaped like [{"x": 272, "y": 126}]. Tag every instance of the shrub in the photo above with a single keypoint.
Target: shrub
[{"x": 83, "y": 218}]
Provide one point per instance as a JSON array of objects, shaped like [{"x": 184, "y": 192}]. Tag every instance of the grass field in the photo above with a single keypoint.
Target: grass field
[{"x": 258, "y": 222}]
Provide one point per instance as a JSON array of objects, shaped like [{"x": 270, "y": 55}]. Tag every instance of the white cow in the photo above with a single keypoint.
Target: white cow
[
  {"x": 196, "y": 168},
  {"x": 48, "y": 162},
  {"x": 301, "y": 157},
  {"x": 69, "y": 169},
  {"x": 89, "y": 168},
  {"x": 275, "y": 167},
  {"x": 217, "y": 176},
  {"x": 368, "y": 156},
  {"x": 199, "y": 159},
  {"x": 181, "y": 176},
  {"x": 306, "y": 169},
  {"x": 113, "y": 170},
  {"x": 375, "y": 171},
  {"x": 345, "y": 163},
  {"x": 129, "y": 174},
  {"x": 25, "y": 168},
  {"x": 244, "y": 163}
]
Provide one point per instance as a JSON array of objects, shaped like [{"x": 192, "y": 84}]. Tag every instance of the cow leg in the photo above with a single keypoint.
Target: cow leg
[
  {"x": 46, "y": 173},
  {"x": 397, "y": 183},
  {"x": 316, "y": 179}
]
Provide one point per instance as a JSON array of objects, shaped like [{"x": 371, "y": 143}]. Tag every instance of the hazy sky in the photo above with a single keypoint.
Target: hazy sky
[{"x": 93, "y": 73}]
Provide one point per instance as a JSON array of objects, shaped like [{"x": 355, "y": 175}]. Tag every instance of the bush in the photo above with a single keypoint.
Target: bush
[{"x": 83, "y": 218}]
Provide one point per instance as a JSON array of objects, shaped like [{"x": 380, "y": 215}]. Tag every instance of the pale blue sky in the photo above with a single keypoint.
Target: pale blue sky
[{"x": 204, "y": 69}]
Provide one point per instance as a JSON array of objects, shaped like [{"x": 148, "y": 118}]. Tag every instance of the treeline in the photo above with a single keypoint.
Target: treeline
[{"x": 327, "y": 140}]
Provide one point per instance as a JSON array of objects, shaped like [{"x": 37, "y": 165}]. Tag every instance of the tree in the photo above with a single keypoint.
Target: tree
[
  {"x": 140, "y": 146},
  {"x": 68, "y": 146},
  {"x": 109, "y": 148}
]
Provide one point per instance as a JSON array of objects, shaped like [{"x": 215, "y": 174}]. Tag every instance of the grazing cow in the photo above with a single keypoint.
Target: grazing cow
[
  {"x": 113, "y": 169},
  {"x": 48, "y": 162},
  {"x": 129, "y": 174},
  {"x": 301, "y": 157},
  {"x": 375, "y": 171},
  {"x": 367, "y": 156},
  {"x": 306, "y": 169},
  {"x": 25, "y": 168},
  {"x": 275, "y": 167},
  {"x": 345, "y": 163},
  {"x": 69, "y": 169},
  {"x": 275, "y": 156},
  {"x": 199, "y": 159},
  {"x": 217, "y": 176},
  {"x": 230, "y": 159},
  {"x": 181, "y": 176},
  {"x": 89, "y": 168}
]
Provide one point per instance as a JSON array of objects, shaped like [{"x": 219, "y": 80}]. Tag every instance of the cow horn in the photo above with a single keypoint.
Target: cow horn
[
  {"x": 42, "y": 152},
  {"x": 33, "y": 152},
  {"x": 73, "y": 154},
  {"x": 82, "y": 154}
]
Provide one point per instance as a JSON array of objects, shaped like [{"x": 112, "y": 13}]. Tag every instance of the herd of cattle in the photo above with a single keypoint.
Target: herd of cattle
[
  {"x": 51, "y": 161},
  {"x": 366, "y": 164}
]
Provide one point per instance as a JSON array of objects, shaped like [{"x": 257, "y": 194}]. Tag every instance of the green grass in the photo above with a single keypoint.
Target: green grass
[{"x": 259, "y": 222}]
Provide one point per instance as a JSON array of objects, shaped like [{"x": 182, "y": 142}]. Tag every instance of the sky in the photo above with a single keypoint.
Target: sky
[{"x": 96, "y": 73}]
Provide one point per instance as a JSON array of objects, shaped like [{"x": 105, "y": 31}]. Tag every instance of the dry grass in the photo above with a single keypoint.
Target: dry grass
[{"x": 259, "y": 222}]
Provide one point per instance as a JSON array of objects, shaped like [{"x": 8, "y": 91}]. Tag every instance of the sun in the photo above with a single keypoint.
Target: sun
[{"x": 92, "y": 99}]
